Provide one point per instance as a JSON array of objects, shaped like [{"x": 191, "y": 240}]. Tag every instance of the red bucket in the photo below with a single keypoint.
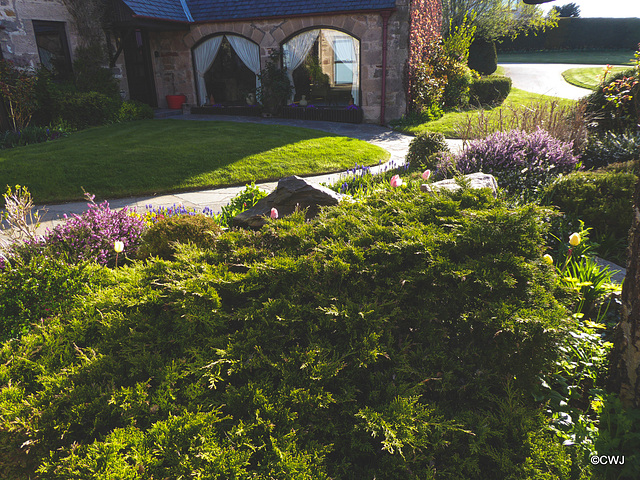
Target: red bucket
[{"x": 174, "y": 102}]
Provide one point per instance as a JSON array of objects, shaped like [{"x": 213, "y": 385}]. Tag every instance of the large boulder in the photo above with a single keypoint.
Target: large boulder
[
  {"x": 474, "y": 180},
  {"x": 291, "y": 193}
]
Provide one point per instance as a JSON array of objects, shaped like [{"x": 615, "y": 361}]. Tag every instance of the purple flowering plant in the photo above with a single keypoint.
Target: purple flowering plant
[
  {"x": 91, "y": 235},
  {"x": 521, "y": 162}
]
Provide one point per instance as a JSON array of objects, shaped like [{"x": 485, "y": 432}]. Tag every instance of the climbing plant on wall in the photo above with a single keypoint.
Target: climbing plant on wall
[
  {"x": 424, "y": 33},
  {"x": 90, "y": 18}
]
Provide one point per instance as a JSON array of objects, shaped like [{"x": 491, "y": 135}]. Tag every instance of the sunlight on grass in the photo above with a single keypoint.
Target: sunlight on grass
[
  {"x": 159, "y": 156},
  {"x": 447, "y": 125},
  {"x": 588, "y": 77}
]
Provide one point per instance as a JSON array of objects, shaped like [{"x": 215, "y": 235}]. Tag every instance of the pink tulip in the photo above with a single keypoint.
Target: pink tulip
[
  {"x": 274, "y": 213},
  {"x": 426, "y": 174},
  {"x": 396, "y": 181}
]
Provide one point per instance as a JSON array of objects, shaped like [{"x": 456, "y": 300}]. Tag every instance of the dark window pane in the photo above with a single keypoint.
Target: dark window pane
[{"x": 53, "y": 48}]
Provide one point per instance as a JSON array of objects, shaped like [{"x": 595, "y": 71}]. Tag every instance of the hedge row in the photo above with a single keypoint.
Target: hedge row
[
  {"x": 491, "y": 90},
  {"x": 579, "y": 33}
]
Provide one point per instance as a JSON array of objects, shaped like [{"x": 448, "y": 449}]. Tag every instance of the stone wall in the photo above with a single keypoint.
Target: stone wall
[
  {"x": 173, "y": 67},
  {"x": 17, "y": 39}
]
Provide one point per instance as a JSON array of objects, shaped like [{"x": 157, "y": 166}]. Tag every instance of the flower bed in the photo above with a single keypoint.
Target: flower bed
[
  {"x": 238, "y": 110},
  {"x": 350, "y": 114}
]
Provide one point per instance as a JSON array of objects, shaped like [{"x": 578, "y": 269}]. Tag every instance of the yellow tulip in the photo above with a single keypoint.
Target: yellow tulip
[{"x": 574, "y": 239}]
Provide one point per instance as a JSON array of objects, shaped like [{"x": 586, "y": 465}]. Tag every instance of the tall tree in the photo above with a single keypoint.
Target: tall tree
[
  {"x": 497, "y": 18},
  {"x": 568, "y": 10},
  {"x": 624, "y": 369}
]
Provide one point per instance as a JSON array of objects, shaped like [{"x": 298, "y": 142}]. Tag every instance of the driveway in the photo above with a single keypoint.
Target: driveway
[{"x": 545, "y": 78}]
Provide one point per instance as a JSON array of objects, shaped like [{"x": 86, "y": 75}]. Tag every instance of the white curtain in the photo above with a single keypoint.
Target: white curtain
[
  {"x": 346, "y": 49},
  {"x": 204, "y": 56},
  {"x": 295, "y": 51},
  {"x": 248, "y": 52}
]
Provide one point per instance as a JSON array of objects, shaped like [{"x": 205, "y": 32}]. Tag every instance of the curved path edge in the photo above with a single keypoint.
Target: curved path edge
[{"x": 397, "y": 144}]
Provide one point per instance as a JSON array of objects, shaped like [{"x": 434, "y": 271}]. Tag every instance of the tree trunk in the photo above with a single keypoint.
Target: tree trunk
[{"x": 624, "y": 370}]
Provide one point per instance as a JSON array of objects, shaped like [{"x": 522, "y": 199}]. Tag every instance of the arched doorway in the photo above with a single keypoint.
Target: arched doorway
[
  {"x": 226, "y": 69},
  {"x": 324, "y": 66}
]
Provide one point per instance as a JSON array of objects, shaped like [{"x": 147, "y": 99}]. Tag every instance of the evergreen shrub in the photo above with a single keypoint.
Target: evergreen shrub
[
  {"x": 422, "y": 149},
  {"x": 610, "y": 147},
  {"x": 483, "y": 56},
  {"x": 134, "y": 110},
  {"x": 602, "y": 199},
  {"x": 87, "y": 109},
  {"x": 397, "y": 337},
  {"x": 491, "y": 90},
  {"x": 38, "y": 288},
  {"x": 159, "y": 239}
]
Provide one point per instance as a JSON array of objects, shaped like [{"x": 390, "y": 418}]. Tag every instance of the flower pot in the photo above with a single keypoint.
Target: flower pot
[{"x": 174, "y": 102}]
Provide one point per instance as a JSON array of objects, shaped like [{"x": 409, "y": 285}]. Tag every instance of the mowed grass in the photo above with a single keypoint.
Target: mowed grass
[
  {"x": 448, "y": 125},
  {"x": 593, "y": 57},
  {"x": 159, "y": 156},
  {"x": 588, "y": 77}
]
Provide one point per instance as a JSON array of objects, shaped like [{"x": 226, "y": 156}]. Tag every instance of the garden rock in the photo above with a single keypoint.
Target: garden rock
[
  {"x": 475, "y": 180},
  {"x": 291, "y": 193}
]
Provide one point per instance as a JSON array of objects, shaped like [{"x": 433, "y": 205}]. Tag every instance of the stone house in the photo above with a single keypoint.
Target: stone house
[
  {"x": 336, "y": 52},
  {"x": 36, "y": 32}
]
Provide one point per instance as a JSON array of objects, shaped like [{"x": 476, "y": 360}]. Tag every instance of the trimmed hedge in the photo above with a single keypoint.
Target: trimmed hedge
[
  {"x": 491, "y": 90},
  {"x": 580, "y": 33},
  {"x": 397, "y": 337},
  {"x": 483, "y": 57}
]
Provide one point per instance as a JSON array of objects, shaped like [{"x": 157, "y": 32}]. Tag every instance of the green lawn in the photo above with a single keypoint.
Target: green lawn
[
  {"x": 595, "y": 57},
  {"x": 588, "y": 77},
  {"x": 447, "y": 125},
  {"x": 158, "y": 156}
]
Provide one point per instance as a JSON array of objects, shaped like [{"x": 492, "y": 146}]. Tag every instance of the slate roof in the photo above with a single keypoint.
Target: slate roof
[
  {"x": 212, "y": 10},
  {"x": 160, "y": 9}
]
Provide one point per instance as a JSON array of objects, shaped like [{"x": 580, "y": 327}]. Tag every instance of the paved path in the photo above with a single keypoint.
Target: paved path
[
  {"x": 395, "y": 143},
  {"x": 545, "y": 78}
]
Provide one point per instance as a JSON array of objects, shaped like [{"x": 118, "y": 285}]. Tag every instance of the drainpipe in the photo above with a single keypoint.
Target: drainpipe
[{"x": 385, "y": 24}]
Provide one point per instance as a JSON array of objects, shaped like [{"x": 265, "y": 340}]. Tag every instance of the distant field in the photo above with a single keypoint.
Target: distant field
[{"x": 595, "y": 57}]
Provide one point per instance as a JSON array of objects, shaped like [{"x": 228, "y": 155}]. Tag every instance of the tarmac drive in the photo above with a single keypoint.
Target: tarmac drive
[{"x": 545, "y": 79}]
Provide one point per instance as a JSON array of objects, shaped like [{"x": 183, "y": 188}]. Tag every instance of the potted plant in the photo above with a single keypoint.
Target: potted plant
[{"x": 175, "y": 101}]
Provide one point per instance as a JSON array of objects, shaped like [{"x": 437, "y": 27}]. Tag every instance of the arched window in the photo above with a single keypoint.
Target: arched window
[
  {"x": 324, "y": 67},
  {"x": 227, "y": 68}
]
